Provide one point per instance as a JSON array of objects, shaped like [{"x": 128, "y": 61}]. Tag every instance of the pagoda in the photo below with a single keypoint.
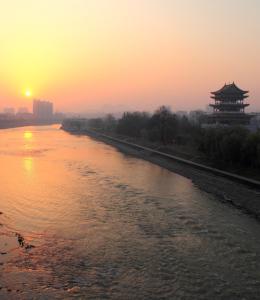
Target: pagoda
[{"x": 229, "y": 106}]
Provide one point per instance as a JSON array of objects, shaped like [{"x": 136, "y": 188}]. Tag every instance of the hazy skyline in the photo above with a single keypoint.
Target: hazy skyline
[{"x": 92, "y": 55}]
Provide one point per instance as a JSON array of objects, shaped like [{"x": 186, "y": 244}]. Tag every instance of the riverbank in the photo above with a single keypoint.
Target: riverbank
[{"x": 244, "y": 197}]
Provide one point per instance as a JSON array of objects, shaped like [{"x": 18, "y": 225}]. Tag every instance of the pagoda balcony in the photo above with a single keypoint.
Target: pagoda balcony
[
  {"x": 228, "y": 98},
  {"x": 229, "y": 104},
  {"x": 223, "y": 112}
]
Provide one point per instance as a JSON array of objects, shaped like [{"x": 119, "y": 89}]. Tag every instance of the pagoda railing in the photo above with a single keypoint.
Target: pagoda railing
[
  {"x": 229, "y": 112},
  {"x": 230, "y": 103}
]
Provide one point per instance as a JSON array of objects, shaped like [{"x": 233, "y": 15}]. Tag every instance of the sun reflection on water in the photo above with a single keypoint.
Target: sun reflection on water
[
  {"x": 28, "y": 140},
  {"x": 28, "y": 135},
  {"x": 28, "y": 161},
  {"x": 28, "y": 164}
]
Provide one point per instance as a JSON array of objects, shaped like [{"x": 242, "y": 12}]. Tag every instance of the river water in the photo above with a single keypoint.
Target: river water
[{"x": 109, "y": 226}]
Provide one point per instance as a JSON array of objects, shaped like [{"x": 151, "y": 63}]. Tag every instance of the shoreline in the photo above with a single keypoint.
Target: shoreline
[
  {"x": 238, "y": 194},
  {"x": 25, "y": 124}
]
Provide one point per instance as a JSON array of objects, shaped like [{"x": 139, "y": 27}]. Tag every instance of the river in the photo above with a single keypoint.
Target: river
[{"x": 98, "y": 224}]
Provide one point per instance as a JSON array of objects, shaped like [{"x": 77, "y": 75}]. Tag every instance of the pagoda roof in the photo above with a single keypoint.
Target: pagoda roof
[{"x": 229, "y": 89}]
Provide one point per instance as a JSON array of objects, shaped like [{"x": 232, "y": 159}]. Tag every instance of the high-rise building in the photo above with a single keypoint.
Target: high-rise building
[{"x": 42, "y": 110}]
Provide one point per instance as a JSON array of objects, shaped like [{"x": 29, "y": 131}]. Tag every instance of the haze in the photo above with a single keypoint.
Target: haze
[{"x": 116, "y": 55}]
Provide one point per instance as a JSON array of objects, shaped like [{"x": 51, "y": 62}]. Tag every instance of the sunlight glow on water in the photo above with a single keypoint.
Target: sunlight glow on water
[
  {"x": 28, "y": 164},
  {"x": 106, "y": 225},
  {"x": 28, "y": 135}
]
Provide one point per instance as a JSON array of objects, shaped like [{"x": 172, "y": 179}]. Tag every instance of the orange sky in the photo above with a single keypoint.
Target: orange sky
[{"x": 113, "y": 55}]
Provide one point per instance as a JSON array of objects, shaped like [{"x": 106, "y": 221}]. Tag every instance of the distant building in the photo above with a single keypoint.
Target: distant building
[
  {"x": 4, "y": 117},
  {"x": 23, "y": 113},
  {"x": 42, "y": 110},
  {"x": 9, "y": 111},
  {"x": 22, "y": 110},
  {"x": 24, "y": 116},
  {"x": 229, "y": 106}
]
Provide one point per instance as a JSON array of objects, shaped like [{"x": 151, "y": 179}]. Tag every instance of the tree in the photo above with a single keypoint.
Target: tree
[
  {"x": 110, "y": 123},
  {"x": 163, "y": 125},
  {"x": 96, "y": 124},
  {"x": 251, "y": 150},
  {"x": 133, "y": 123}
]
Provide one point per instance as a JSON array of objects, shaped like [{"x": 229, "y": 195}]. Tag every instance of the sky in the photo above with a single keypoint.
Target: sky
[{"x": 117, "y": 55}]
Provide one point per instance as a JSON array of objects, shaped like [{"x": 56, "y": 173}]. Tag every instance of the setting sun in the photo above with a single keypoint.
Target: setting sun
[{"x": 28, "y": 93}]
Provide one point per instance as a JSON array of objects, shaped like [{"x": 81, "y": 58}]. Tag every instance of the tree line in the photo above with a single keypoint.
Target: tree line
[
  {"x": 231, "y": 145},
  {"x": 162, "y": 126},
  {"x": 226, "y": 145}
]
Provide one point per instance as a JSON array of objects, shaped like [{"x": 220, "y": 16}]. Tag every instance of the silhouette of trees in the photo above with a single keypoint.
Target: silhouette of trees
[
  {"x": 133, "y": 124},
  {"x": 251, "y": 150},
  {"x": 163, "y": 126},
  {"x": 110, "y": 123},
  {"x": 231, "y": 145},
  {"x": 221, "y": 145},
  {"x": 96, "y": 123}
]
